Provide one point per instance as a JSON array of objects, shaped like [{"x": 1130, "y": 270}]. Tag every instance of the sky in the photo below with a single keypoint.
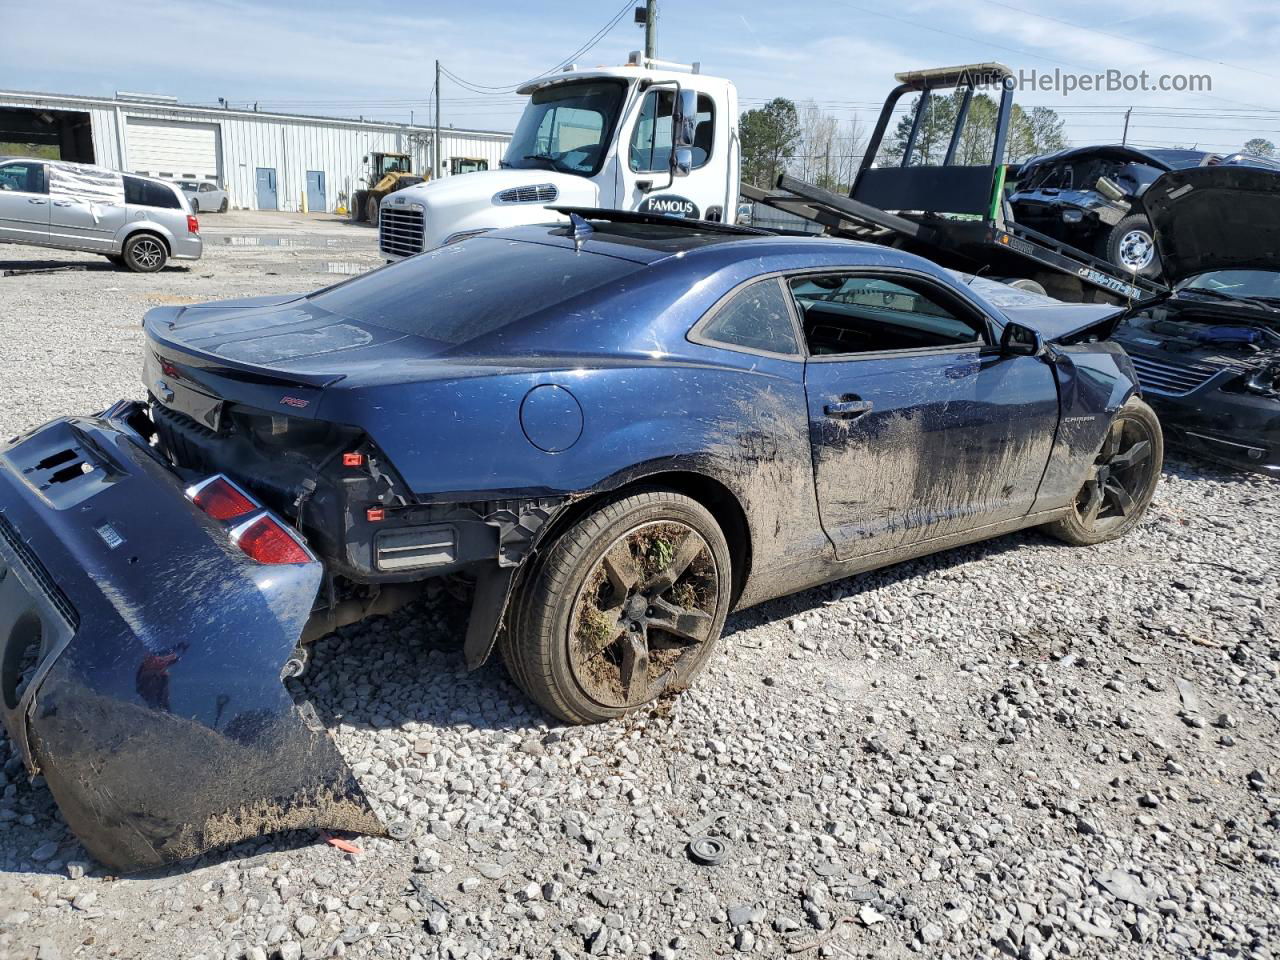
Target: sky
[{"x": 376, "y": 58}]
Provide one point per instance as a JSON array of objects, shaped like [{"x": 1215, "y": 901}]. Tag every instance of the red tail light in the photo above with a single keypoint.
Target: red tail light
[
  {"x": 266, "y": 540},
  {"x": 353, "y": 459},
  {"x": 221, "y": 499},
  {"x": 193, "y": 225}
]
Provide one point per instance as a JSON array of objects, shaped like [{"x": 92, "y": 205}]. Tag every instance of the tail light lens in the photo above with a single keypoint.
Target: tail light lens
[
  {"x": 193, "y": 225},
  {"x": 221, "y": 499},
  {"x": 266, "y": 540},
  {"x": 259, "y": 534}
]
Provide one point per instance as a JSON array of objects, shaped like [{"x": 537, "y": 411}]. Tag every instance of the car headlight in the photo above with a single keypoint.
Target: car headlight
[{"x": 1265, "y": 380}]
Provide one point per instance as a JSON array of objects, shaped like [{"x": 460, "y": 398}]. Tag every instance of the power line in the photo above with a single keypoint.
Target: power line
[
  {"x": 1144, "y": 43},
  {"x": 507, "y": 89}
]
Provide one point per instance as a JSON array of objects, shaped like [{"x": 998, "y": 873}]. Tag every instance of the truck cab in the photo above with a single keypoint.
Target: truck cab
[{"x": 648, "y": 136}]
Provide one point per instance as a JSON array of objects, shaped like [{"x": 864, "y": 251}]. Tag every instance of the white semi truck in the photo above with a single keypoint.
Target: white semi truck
[{"x": 648, "y": 136}]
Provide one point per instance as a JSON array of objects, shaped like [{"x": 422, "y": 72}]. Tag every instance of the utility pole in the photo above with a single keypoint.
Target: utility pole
[
  {"x": 1124, "y": 138},
  {"x": 435, "y": 140},
  {"x": 651, "y": 28}
]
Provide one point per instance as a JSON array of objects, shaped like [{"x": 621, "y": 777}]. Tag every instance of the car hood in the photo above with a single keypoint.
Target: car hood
[
  {"x": 485, "y": 186},
  {"x": 1123, "y": 154},
  {"x": 1215, "y": 218}
]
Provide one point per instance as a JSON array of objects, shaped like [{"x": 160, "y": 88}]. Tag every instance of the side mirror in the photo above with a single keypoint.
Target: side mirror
[
  {"x": 1110, "y": 189},
  {"x": 681, "y": 161},
  {"x": 1019, "y": 340},
  {"x": 684, "y": 118}
]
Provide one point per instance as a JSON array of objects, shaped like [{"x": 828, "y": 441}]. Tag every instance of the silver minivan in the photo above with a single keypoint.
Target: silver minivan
[{"x": 136, "y": 222}]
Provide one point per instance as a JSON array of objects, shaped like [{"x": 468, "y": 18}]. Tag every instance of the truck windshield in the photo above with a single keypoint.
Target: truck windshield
[{"x": 567, "y": 127}]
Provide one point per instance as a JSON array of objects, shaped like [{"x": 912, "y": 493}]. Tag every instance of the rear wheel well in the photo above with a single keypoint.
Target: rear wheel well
[
  {"x": 150, "y": 233},
  {"x": 718, "y": 499}
]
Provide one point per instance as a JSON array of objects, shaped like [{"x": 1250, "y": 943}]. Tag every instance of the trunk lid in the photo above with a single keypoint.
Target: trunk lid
[
  {"x": 1215, "y": 218},
  {"x": 272, "y": 353}
]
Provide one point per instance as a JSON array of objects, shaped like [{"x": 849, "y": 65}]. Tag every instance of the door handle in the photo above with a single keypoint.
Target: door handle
[
  {"x": 36, "y": 200},
  {"x": 62, "y": 203},
  {"x": 847, "y": 408}
]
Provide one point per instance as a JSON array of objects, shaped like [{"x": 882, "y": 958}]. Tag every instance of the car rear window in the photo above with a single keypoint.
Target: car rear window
[
  {"x": 466, "y": 290},
  {"x": 146, "y": 193}
]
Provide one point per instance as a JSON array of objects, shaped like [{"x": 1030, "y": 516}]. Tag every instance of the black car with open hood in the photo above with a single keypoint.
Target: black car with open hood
[
  {"x": 1208, "y": 353},
  {"x": 1093, "y": 198}
]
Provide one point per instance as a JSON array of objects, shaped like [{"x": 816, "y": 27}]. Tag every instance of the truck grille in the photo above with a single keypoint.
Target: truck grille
[
  {"x": 1169, "y": 377},
  {"x": 400, "y": 231},
  {"x": 535, "y": 193}
]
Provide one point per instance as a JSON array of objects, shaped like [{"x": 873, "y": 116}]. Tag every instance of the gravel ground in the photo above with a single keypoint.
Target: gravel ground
[{"x": 1015, "y": 749}]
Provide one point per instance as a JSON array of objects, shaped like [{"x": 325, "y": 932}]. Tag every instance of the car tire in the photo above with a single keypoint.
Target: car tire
[
  {"x": 585, "y": 637},
  {"x": 1122, "y": 480},
  {"x": 371, "y": 211},
  {"x": 1131, "y": 243},
  {"x": 222, "y": 208},
  {"x": 145, "y": 253}
]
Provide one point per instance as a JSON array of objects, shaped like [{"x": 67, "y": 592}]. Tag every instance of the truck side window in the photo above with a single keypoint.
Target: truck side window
[{"x": 651, "y": 139}]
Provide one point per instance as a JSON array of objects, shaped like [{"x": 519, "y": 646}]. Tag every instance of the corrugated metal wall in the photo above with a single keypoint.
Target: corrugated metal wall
[{"x": 290, "y": 145}]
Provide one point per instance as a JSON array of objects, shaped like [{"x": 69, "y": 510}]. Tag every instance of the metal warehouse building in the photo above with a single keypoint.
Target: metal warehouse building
[{"x": 266, "y": 161}]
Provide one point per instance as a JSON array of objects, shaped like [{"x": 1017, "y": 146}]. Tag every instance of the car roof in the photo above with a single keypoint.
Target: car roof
[{"x": 648, "y": 240}]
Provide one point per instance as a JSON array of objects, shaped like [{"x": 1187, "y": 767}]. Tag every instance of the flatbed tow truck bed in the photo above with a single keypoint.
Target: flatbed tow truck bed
[{"x": 957, "y": 214}]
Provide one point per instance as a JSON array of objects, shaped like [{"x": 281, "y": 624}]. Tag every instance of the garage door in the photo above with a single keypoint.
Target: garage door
[{"x": 173, "y": 150}]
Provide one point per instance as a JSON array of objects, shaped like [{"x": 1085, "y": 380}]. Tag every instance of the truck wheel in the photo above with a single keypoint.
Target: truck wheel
[
  {"x": 1131, "y": 246},
  {"x": 1122, "y": 480},
  {"x": 371, "y": 210},
  {"x": 144, "y": 253},
  {"x": 625, "y": 606}
]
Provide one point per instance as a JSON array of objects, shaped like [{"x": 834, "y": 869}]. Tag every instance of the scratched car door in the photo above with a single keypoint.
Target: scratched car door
[{"x": 919, "y": 427}]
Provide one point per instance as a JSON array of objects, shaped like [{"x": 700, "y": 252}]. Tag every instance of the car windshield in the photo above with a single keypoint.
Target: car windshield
[
  {"x": 189, "y": 185},
  {"x": 1245, "y": 284},
  {"x": 467, "y": 290},
  {"x": 567, "y": 127}
]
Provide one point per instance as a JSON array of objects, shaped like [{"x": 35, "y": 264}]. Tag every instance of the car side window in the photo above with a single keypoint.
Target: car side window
[
  {"x": 23, "y": 178},
  {"x": 206, "y": 188},
  {"x": 651, "y": 139},
  {"x": 847, "y": 313},
  {"x": 146, "y": 193},
  {"x": 755, "y": 318}
]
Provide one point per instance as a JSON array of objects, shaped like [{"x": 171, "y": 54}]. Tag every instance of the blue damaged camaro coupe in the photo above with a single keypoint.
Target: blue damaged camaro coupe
[{"x": 619, "y": 429}]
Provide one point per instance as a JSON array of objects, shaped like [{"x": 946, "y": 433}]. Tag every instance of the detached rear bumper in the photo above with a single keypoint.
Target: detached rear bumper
[{"x": 141, "y": 655}]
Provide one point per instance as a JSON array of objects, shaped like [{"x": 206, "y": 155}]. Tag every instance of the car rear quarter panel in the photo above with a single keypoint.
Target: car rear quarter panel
[
  {"x": 738, "y": 419},
  {"x": 170, "y": 225}
]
